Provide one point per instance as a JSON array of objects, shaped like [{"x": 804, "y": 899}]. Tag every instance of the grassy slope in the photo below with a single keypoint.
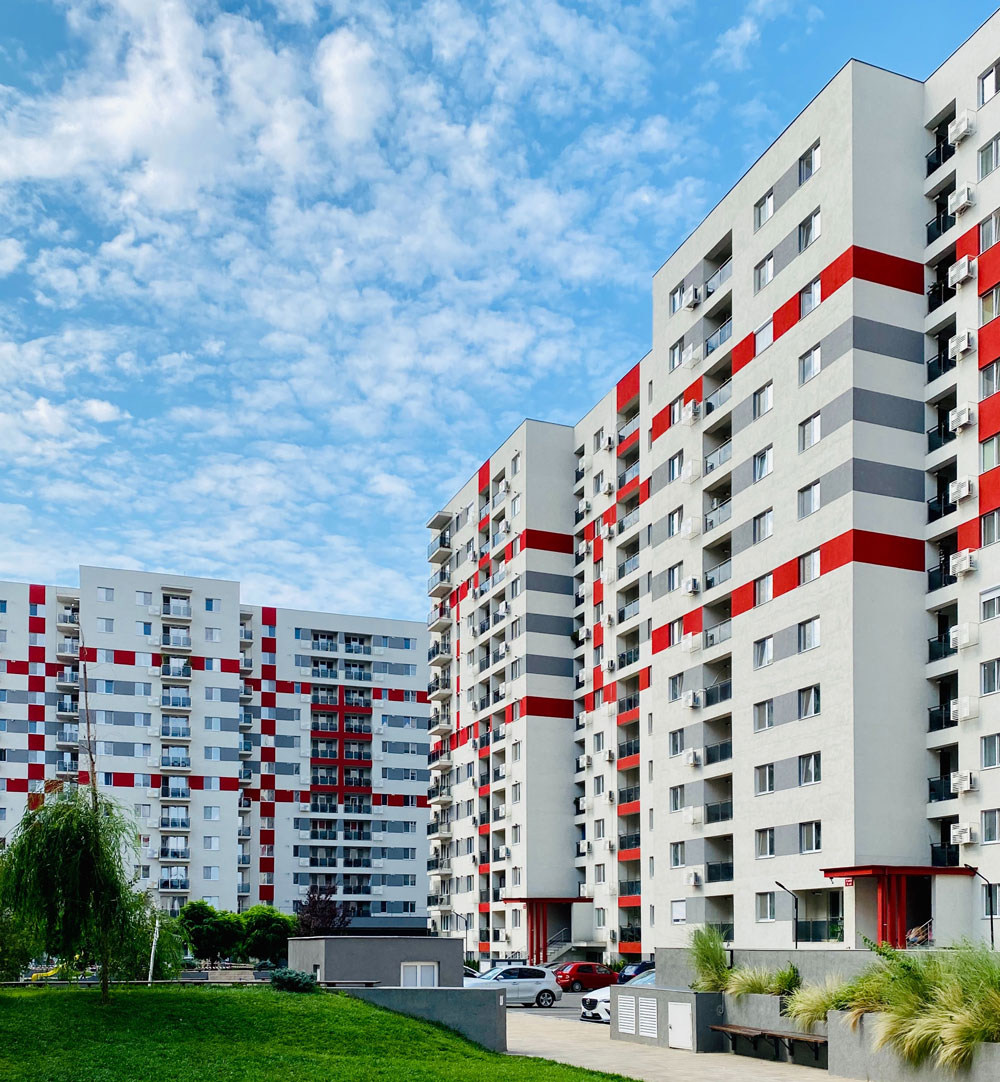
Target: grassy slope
[{"x": 171, "y": 1034}]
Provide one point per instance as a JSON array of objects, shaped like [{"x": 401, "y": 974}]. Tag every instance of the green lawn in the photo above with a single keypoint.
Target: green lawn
[{"x": 183, "y": 1034}]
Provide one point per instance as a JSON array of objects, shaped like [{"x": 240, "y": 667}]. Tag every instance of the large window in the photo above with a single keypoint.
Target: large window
[
  {"x": 809, "y": 567},
  {"x": 810, "y": 297},
  {"x": 989, "y": 379},
  {"x": 809, "y": 365},
  {"x": 989, "y": 83},
  {"x": 763, "y": 272},
  {"x": 991, "y": 823},
  {"x": 989, "y": 454},
  {"x": 676, "y": 352},
  {"x": 990, "y": 676},
  {"x": 763, "y": 463},
  {"x": 418, "y": 975},
  {"x": 763, "y": 715},
  {"x": 678, "y": 911},
  {"x": 809, "y": 768},
  {"x": 990, "y": 751},
  {"x": 763, "y": 400},
  {"x": 764, "y": 843},
  {"x": 676, "y": 854},
  {"x": 763, "y": 589},
  {"x": 809, "y": 634},
  {"x": 989, "y": 306},
  {"x": 763, "y": 525},
  {"x": 989, "y": 528},
  {"x": 765, "y": 906},
  {"x": 763, "y": 336},
  {"x": 763, "y": 779},
  {"x": 989, "y": 231},
  {"x": 676, "y": 295}
]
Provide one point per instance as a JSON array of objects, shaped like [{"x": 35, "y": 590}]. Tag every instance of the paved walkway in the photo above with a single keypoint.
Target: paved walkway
[{"x": 583, "y": 1044}]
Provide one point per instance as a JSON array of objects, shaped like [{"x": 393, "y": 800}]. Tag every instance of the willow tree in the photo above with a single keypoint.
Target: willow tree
[{"x": 63, "y": 876}]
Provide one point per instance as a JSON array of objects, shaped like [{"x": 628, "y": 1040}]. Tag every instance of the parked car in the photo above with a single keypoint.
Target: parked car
[
  {"x": 522, "y": 984},
  {"x": 596, "y": 1006},
  {"x": 468, "y": 971},
  {"x": 632, "y": 970},
  {"x": 585, "y": 976}
]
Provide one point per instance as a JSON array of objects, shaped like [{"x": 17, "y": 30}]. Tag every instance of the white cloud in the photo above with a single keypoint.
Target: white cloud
[
  {"x": 12, "y": 255},
  {"x": 732, "y": 44},
  {"x": 349, "y": 85}
]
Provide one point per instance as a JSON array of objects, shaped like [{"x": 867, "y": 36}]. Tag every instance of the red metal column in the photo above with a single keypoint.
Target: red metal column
[
  {"x": 900, "y": 911},
  {"x": 532, "y": 931},
  {"x": 883, "y": 902},
  {"x": 544, "y": 945}
]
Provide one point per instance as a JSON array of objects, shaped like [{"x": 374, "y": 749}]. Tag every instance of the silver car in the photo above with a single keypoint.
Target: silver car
[{"x": 522, "y": 984}]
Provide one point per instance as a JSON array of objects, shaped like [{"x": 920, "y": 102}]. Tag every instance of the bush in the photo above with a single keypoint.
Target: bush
[
  {"x": 293, "y": 980},
  {"x": 785, "y": 981},
  {"x": 749, "y": 981},
  {"x": 707, "y": 953}
]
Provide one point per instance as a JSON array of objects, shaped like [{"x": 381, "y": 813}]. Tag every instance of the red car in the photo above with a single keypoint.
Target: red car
[{"x": 584, "y": 976}]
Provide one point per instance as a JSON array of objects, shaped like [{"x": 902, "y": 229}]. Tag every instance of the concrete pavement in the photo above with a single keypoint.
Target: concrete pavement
[{"x": 588, "y": 1044}]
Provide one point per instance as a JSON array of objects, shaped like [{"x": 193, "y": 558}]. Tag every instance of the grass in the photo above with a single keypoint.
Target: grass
[
  {"x": 175, "y": 1034},
  {"x": 709, "y": 960}
]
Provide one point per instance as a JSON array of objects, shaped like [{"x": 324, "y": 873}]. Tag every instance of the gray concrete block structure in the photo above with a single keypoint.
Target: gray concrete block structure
[{"x": 389, "y": 961}]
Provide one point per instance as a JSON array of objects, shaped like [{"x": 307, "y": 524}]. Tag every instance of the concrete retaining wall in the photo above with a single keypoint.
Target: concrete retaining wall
[
  {"x": 853, "y": 1055},
  {"x": 765, "y": 1012},
  {"x": 813, "y": 965},
  {"x": 476, "y": 1013}
]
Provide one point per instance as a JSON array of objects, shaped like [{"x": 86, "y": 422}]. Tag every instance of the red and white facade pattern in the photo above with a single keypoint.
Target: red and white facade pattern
[
  {"x": 261, "y": 749},
  {"x": 778, "y": 720}
]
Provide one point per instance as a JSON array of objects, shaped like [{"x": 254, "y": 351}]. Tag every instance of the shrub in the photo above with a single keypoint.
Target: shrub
[
  {"x": 293, "y": 980},
  {"x": 707, "y": 954},
  {"x": 749, "y": 981},
  {"x": 785, "y": 981},
  {"x": 809, "y": 1003}
]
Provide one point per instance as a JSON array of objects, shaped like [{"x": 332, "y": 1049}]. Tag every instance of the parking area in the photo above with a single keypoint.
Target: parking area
[{"x": 558, "y": 1034}]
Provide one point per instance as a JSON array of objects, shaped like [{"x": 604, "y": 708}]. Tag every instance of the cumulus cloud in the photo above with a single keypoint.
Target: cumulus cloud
[{"x": 11, "y": 255}]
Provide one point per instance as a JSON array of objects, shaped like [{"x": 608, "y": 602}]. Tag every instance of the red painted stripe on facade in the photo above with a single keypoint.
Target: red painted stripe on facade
[
  {"x": 36, "y": 594},
  {"x": 627, "y": 717},
  {"x": 630, "y": 441},
  {"x": 691, "y": 622},
  {"x": 989, "y": 493},
  {"x": 628, "y": 901},
  {"x": 627, "y": 388},
  {"x": 484, "y": 476},
  {"x": 630, "y": 854},
  {"x": 692, "y": 393},
  {"x": 645, "y": 677},
  {"x": 268, "y": 615},
  {"x": 989, "y": 416},
  {"x": 629, "y": 762},
  {"x": 547, "y": 541},
  {"x": 786, "y": 316},
  {"x": 968, "y": 534},
  {"x": 744, "y": 352},
  {"x": 988, "y": 272},
  {"x": 968, "y": 243},
  {"x": 661, "y": 422},
  {"x": 644, "y": 491},
  {"x": 627, "y": 490},
  {"x": 630, "y": 808}
]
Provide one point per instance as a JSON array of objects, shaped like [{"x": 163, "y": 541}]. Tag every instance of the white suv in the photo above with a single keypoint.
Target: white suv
[
  {"x": 596, "y": 1006},
  {"x": 522, "y": 984}
]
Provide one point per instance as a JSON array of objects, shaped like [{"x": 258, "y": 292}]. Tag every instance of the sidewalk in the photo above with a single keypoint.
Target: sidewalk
[{"x": 588, "y": 1044}]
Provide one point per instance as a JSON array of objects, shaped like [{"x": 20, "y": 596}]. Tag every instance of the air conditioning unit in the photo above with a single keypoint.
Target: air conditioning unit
[
  {"x": 609, "y": 796},
  {"x": 474, "y": 742},
  {"x": 963, "y": 635},
  {"x": 692, "y": 815},
  {"x": 609, "y": 618},
  {"x": 961, "y": 343},
  {"x": 582, "y": 634},
  {"x": 691, "y": 526},
  {"x": 581, "y": 549},
  {"x": 505, "y": 648},
  {"x": 690, "y": 355},
  {"x": 582, "y": 762},
  {"x": 504, "y": 852},
  {"x": 502, "y": 609},
  {"x": 963, "y": 781},
  {"x": 581, "y": 804},
  {"x": 475, "y": 823},
  {"x": 153, "y": 610},
  {"x": 690, "y": 698},
  {"x": 691, "y": 297},
  {"x": 961, "y": 417},
  {"x": 608, "y": 489},
  {"x": 690, "y": 413},
  {"x": 609, "y": 443},
  {"x": 691, "y": 642},
  {"x": 963, "y": 833},
  {"x": 504, "y": 486},
  {"x": 610, "y": 845},
  {"x": 961, "y": 271},
  {"x": 960, "y": 489},
  {"x": 583, "y": 848},
  {"x": 963, "y": 197},
  {"x": 691, "y": 471},
  {"x": 961, "y": 127},
  {"x": 608, "y": 533},
  {"x": 962, "y": 562},
  {"x": 609, "y": 665},
  {"x": 964, "y": 708},
  {"x": 690, "y": 586},
  {"x": 583, "y": 507},
  {"x": 692, "y": 758},
  {"x": 612, "y": 936},
  {"x": 152, "y": 702},
  {"x": 692, "y": 879}
]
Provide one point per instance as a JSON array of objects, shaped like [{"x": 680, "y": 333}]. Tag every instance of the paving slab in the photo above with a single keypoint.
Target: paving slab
[{"x": 589, "y": 1044}]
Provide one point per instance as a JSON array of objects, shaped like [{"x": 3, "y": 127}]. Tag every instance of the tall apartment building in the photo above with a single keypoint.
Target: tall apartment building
[
  {"x": 693, "y": 666},
  {"x": 262, "y": 750}
]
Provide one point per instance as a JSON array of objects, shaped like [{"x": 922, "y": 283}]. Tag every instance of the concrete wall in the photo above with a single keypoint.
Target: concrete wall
[
  {"x": 375, "y": 958},
  {"x": 852, "y": 1055},
  {"x": 476, "y": 1013},
  {"x": 707, "y": 1010},
  {"x": 674, "y": 968}
]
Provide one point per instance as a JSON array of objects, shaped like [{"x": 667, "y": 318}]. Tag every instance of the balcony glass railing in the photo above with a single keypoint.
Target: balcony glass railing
[
  {"x": 440, "y": 543},
  {"x": 939, "y": 577},
  {"x": 941, "y": 153},
  {"x": 939, "y": 789},
  {"x": 628, "y": 475},
  {"x": 718, "y": 693},
  {"x": 939, "y": 506},
  {"x": 630, "y": 520},
  {"x": 720, "y": 573},
  {"x": 630, "y": 841},
  {"x": 630, "y": 426},
  {"x": 719, "y": 871},
  {"x": 721, "y": 811},
  {"x": 629, "y": 935},
  {"x": 177, "y": 608},
  {"x": 718, "y": 753},
  {"x": 718, "y": 457},
  {"x": 628, "y": 888},
  {"x": 718, "y": 398},
  {"x": 719, "y": 279},
  {"x": 819, "y": 931},
  {"x": 719, "y": 632},
  {"x": 938, "y": 436},
  {"x": 628, "y": 747},
  {"x": 719, "y": 337},
  {"x": 938, "y": 226},
  {"x": 939, "y": 717},
  {"x": 439, "y": 578},
  {"x": 938, "y": 364},
  {"x": 627, "y": 611},
  {"x": 629, "y": 795},
  {"x": 937, "y": 294},
  {"x": 628, "y": 657},
  {"x": 940, "y": 647},
  {"x": 628, "y": 566},
  {"x": 627, "y": 703},
  {"x": 720, "y": 513},
  {"x": 172, "y": 638},
  {"x": 944, "y": 856}
]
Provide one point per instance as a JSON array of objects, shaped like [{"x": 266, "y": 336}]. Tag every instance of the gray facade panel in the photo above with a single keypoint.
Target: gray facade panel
[
  {"x": 742, "y": 476},
  {"x": 741, "y": 538},
  {"x": 837, "y": 413},
  {"x": 658, "y": 533},
  {"x": 786, "y": 642},
  {"x": 548, "y": 625},
  {"x": 786, "y": 773},
  {"x": 786, "y": 840},
  {"x": 836, "y": 482},
  {"x": 548, "y": 666},
  {"x": 741, "y": 415},
  {"x": 838, "y": 342},
  {"x": 889, "y": 341},
  {"x": 785, "y": 186},
  {"x": 548, "y": 584},
  {"x": 659, "y": 585},
  {"x": 786, "y": 250},
  {"x": 888, "y": 410},
  {"x": 883, "y": 479},
  {"x": 786, "y": 707}
]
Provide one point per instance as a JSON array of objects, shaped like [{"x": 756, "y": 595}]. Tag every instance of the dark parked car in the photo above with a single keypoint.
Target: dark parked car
[
  {"x": 584, "y": 976},
  {"x": 633, "y": 969}
]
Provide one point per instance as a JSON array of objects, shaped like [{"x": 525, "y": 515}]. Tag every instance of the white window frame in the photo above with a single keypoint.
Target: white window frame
[{"x": 417, "y": 970}]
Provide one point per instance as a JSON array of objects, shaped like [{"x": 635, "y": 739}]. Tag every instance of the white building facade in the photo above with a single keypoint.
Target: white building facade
[
  {"x": 723, "y": 652},
  {"x": 262, "y": 750}
]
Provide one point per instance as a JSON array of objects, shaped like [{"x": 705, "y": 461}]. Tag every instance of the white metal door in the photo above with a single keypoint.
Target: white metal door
[{"x": 680, "y": 1028}]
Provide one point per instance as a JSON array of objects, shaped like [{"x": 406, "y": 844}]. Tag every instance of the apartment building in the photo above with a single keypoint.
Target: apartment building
[
  {"x": 723, "y": 652},
  {"x": 261, "y": 750}
]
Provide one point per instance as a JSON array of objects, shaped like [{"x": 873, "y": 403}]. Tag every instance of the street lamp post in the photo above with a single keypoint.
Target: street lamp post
[{"x": 989, "y": 900}]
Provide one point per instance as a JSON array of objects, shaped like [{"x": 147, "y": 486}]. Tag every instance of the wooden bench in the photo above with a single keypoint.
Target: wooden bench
[{"x": 773, "y": 1037}]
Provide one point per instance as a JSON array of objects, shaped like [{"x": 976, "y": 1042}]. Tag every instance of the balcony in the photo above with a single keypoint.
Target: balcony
[
  {"x": 721, "y": 455},
  {"x": 179, "y": 609},
  {"x": 939, "y": 717},
  {"x": 939, "y": 789},
  {"x": 722, "y": 512},
  {"x": 626, "y": 430},
  {"x": 627, "y": 611},
  {"x": 439, "y": 689},
  {"x": 244, "y": 747},
  {"x": 719, "y": 337},
  {"x": 627, "y": 703},
  {"x": 246, "y": 720},
  {"x": 718, "y": 693},
  {"x": 67, "y": 766},
  {"x": 718, "y": 753},
  {"x": 938, "y": 364},
  {"x": 719, "y": 871},
  {"x": 630, "y": 841},
  {"x": 440, "y": 548},
  {"x": 629, "y": 935},
  {"x": 438, "y": 829},
  {"x": 246, "y": 633},
  {"x": 67, "y": 678},
  {"x": 630, "y": 520},
  {"x": 172, "y": 793},
  {"x": 439, "y": 584},
  {"x": 628, "y": 795},
  {"x": 243, "y": 887},
  {"x": 439, "y": 866},
  {"x": 939, "y": 577},
  {"x": 720, "y": 811},
  {"x": 719, "y": 397},
  {"x": 176, "y": 640},
  {"x": 68, "y": 618},
  {"x": 440, "y": 760},
  {"x": 628, "y": 566},
  {"x": 174, "y": 884},
  {"x": 440, "y": 724},
  {"x": 938, "y": 436},
  {"x": 940, "y": 647},
  {"x": 937, "y": 294},
  {"x": 68, "y": 707},
  {"x": 628, "y": 657},
  {"x": 628, "y": 888},
  {"x": 439, "y": 618},
  {"x": 819, "y": 931},
  {"x": 718, "y": 574},
  {"x": 175, "y": 762},
  {"x": 245, "y": 775},
  {"x": 944, "y": 856},
  {"x": 941, "y": 153},
  {"x": 628, "y": 747},
  {"x": 166, "y": 853},
  {"x": 439, "y": 795},
  {"x": 719, "y": 279},
  {"x": 68, "y": 648},
  {"x": 718, "y": 633},
  {"x": 175, "y": 822},
  {"x": 242, "y": 860},
  {"x": 68, "y": 737},
  {"x": 628, "y": 475},
  {"x": 938, "y": 226},
  {"x": 939, "y": 506},
  {"x": 176, "y": 672},
  {"x": 176, "y": 700}
]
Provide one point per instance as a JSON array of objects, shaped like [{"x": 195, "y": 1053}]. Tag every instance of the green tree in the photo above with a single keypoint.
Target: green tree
[
  {"x": 267, "y": 933},
  {"x": 213, "y": 933},
  {"x": 17, "y": 947},
  {"x": 322, "y": 914},
  {"x": 63, "y": 878},
  {"x": 130, "y": 961}
]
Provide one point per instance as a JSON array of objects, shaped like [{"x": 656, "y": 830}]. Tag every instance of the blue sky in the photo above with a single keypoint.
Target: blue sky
[{"x": 251, "y": 252}]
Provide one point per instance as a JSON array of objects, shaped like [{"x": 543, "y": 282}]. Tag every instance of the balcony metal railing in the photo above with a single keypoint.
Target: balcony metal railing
[
  {"x": 174, "y": 884},
  {"x": 941, "y": 153},
  {"x": 719, "y": 632},
  {"x": 938, "y": 364},
  {"x": 718, "y": 753},
  {"x": 628, "y": 521},
  {"x": 717, "y": 515},
  {"x": 938, "y": 226},
  {"x": 719, "y": 397},
  {"x": 721, "y": 455},
  {"x": 939, "y": 577},
  {"x": 719, "y": 337},
  {"x": 627, "y": 796},
  {"x": 718, "y": 693},
  {"x": 819, "y": 931},
  {"x": 944, "y": 856},
  {"x": 939, "y": 789},
  {"x": 629, "y": 935},
  {"x": 720, "y": 573},
  {"x": 441, "y": 542},
  {"x": 939, "y": 717},
  {"x": 719, "y": 279},
  {"x": 940, "y": 647},
  {"x": 578, "y": 474},
  {"x": 719, "y": 871},
  {"x": 439, "y": 578}
]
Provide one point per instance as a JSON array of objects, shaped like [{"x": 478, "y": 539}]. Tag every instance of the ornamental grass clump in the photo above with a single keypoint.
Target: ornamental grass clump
[
  {"x": 750, "y": 981},
  {"x": 707, "y": 954}
]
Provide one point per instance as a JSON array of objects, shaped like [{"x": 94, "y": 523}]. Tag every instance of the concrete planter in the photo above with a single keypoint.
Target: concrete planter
[
  {"x": 853, "y": 1055},
  {"x": 765, "y": 1012},
  {"x": 262, "y": 974}
]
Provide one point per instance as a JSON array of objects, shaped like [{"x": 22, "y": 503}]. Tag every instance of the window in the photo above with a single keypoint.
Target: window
[
  {"x": 809, "y": 230},
  {"x": 675, "y": 631},
  {"x": 809, "y": 500},
  {"x": 105, "y": 624},
  {"x": 143, "y": 597},
  {"x": 765, "y": 906},
  {"x": 989, "y": 83},
  {"x": 809, "y": 701},
  {"x": 990, "y": 603},
  {"x": 763, "y": 209},
  {"x": 763, "y": 336},
  {"x": 809, "y": 432},
  {"x": 676, "y": 355},
  {"x": 763, "y": 715},
  {"x": 763, "y": 272},
  {"x": 989, "y": 306},
  {"x": 989, "y": 673},
  {"x": 989, "y": 156},
  {"x": 810, "y": 837},
  {"x": 515, "y": 792},
  {"x": 763, "y": 525},
  {"x": 763, "y": 589},
  {"x": 989, "y": 231},
  {"x": 809, "y": 768},
  {"x": 990, "y": 528},
  {"x": 515, "y": 508},
  {"x": 598, "y": 829},
  {"x": 763, "y": 463},
  {"x": 515, "y": 464},
  {"x": 809, "y": 365},
  {"x": 991, "y": 895},
  {"x": 676, "y": 409},
  {"x": 678, "y": 912},
  {"x": 213, "y": 604},
  {"x": 143, "y": 627},
  {"x": 676, "y": 797},
  {"x": 674, "y": 520},
  {"x": 210, "y": 841},
  {"x": 989, "y": 379},
  {"x": 674, "y": 575},
  {"x": 809, "y": 163},
  {"x": 764, "y": 843},
  {"x": 676, "y": 854},
  {"x": 763, "y": 652},
  {"x": 809, "y": 298},
  {"x": 212, "y": 812},
  {"x": 600, "y": 917},
  {"x": 675, "y": 685},
  {"x": 763, "y": 779},
  {"x": 599, "y": 876},
  {"x": 809, "y": 634},
  {"x": 676, "y": 742},
  {"x": 210, "y": 871},
  {"x": 674, "y": 466},
  {"x": 598, "y": 481},
  {"x": 418, "y": 975},
  {"x": 599, "y": 785},
  {"x": 105, "y": 593},
  {"x": 598, "y": 439},
  {"x": 676, "y": 296},
  {"x": 763, "y": 400}
]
